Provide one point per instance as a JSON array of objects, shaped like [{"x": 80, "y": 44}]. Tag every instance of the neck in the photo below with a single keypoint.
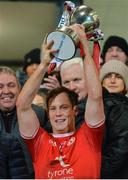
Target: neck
[{"x": 5, "y": 111}]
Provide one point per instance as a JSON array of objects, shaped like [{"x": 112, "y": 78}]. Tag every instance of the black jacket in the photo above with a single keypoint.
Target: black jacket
[
  {"x": 15, "y": 160},
  {"x": 115, "y": 144}
]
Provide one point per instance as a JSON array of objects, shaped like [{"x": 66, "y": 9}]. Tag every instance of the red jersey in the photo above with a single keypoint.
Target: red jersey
[{"x": 67, "y": 156}]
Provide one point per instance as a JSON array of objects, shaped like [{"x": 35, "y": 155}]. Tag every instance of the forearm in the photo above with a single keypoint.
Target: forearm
[
  {"x": 94, "y": 107},
  {"x": 94, "y": 112},
  {"x": 91, "y": 74},
  {"x": 94, "y": 115}
]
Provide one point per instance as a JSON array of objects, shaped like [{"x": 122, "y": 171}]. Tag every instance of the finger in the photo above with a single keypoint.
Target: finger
[
  {"x": 54, "y": 51},
  {"x": 45, "y": 86},
  {"x": 45, "y": 39},
  {"x": 48, "y": 86},
  {"x": 48, "y": 80},
  {"x": 49, "y": 44},
  {"x": 53, "y": 78},
  {"x": 77, "y": 27}
]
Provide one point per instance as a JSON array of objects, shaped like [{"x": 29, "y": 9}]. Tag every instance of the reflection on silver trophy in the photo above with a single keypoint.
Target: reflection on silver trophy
[{"x": 65, "y": 39}]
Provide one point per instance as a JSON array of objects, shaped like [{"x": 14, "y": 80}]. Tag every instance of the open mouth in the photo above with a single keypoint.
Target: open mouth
[
  {"x": 60, "y": 120},
  {"x": 7, "y": 96},
  {"x": 6, "y": 99}
]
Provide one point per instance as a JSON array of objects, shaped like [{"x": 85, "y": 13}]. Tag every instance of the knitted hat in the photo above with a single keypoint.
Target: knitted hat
[
  {"x": 115, "y": 66},
  {"x": 115, "y": 41},
  {"x": 32, "y": 57}
]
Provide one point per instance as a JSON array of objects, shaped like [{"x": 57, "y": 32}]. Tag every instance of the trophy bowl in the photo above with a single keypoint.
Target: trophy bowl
[
  {"x": 87, "y": 17},
  {"x": 65, "y": 39}
]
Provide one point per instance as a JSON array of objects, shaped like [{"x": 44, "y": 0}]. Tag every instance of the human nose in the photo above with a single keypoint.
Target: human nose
[
  {"x": 35, "y": 66},
  {"x": 72, "y": 86},
  {"x": 58, "y": 112},
  {"x": 112, "y": 79},
  {"x": 5, "y": 89},
  {"x": 114, "y": 52}
]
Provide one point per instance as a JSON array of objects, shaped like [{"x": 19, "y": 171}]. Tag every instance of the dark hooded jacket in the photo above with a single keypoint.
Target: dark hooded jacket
[
  {"x": 115, "y": 144},
  {"x": 15, "y": 160}
]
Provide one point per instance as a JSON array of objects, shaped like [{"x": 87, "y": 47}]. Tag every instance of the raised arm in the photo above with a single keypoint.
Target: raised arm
[
  {"x": 94, "y": 112},
  {"x": 28, "y": 121}
]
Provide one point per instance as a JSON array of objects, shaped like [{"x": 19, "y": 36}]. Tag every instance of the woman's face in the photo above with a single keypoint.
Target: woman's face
[{"x": 114, "y": 83}]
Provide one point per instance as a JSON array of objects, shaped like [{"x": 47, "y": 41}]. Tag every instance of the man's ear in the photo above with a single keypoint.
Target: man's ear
[{"x": 76, "y": 110}]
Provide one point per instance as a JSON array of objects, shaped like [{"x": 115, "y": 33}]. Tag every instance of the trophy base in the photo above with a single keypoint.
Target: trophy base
[{"x": 64, "y": 43}]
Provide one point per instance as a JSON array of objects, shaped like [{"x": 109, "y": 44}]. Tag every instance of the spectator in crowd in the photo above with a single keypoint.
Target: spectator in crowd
[
  {"x": 115, "y": 47},
  {"x": 62, "y": 148},
  {"x": 15, "y": 161},
  {"x": 76, "y": 81},
  {"x": 31, "y": 61},
  {"x": 72, "y": 77},
  {"x": 30, "y": 64},
  {"x": 114, "y": 77}
]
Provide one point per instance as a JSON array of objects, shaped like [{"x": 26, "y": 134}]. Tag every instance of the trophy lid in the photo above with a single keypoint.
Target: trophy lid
[{"x": 86, "y": 16}]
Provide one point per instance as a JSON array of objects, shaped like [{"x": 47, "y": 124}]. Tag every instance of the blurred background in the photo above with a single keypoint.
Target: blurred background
[{"x": 24, "y": 24}]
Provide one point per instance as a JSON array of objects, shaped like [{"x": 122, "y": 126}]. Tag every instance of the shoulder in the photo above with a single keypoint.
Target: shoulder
[
  {"x": 116, "y": 112},
  {"x": 111, "y": 99},
  {"x": 85, "y": 129}
]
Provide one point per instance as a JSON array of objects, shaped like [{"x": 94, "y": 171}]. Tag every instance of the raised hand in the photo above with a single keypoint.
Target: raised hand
[
  {"x": 47, "y": 52},
  {"x": 80, "y": 31},
  {"x": 51, "y": 82}
]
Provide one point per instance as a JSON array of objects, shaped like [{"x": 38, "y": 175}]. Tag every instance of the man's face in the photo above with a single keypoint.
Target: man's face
[
  {"x": 73, "y": 78},
  {"x": 62, "y": 114},
  {"x": 115, "y": 53},
  {"x": 9, "y": 91},
  {"x": 31, "y": 69}
]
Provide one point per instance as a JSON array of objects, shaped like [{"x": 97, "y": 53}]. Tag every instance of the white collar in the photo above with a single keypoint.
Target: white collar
[{"x": 63, "y": 135}]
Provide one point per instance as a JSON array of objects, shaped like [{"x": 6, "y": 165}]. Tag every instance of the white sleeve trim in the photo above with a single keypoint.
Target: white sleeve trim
[
  {"x": 96, "y": 125},
  {"x": 31, "y": 136}
]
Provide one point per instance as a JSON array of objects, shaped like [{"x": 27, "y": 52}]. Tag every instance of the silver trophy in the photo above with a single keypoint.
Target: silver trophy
[{"x": 66, "y": 40}]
